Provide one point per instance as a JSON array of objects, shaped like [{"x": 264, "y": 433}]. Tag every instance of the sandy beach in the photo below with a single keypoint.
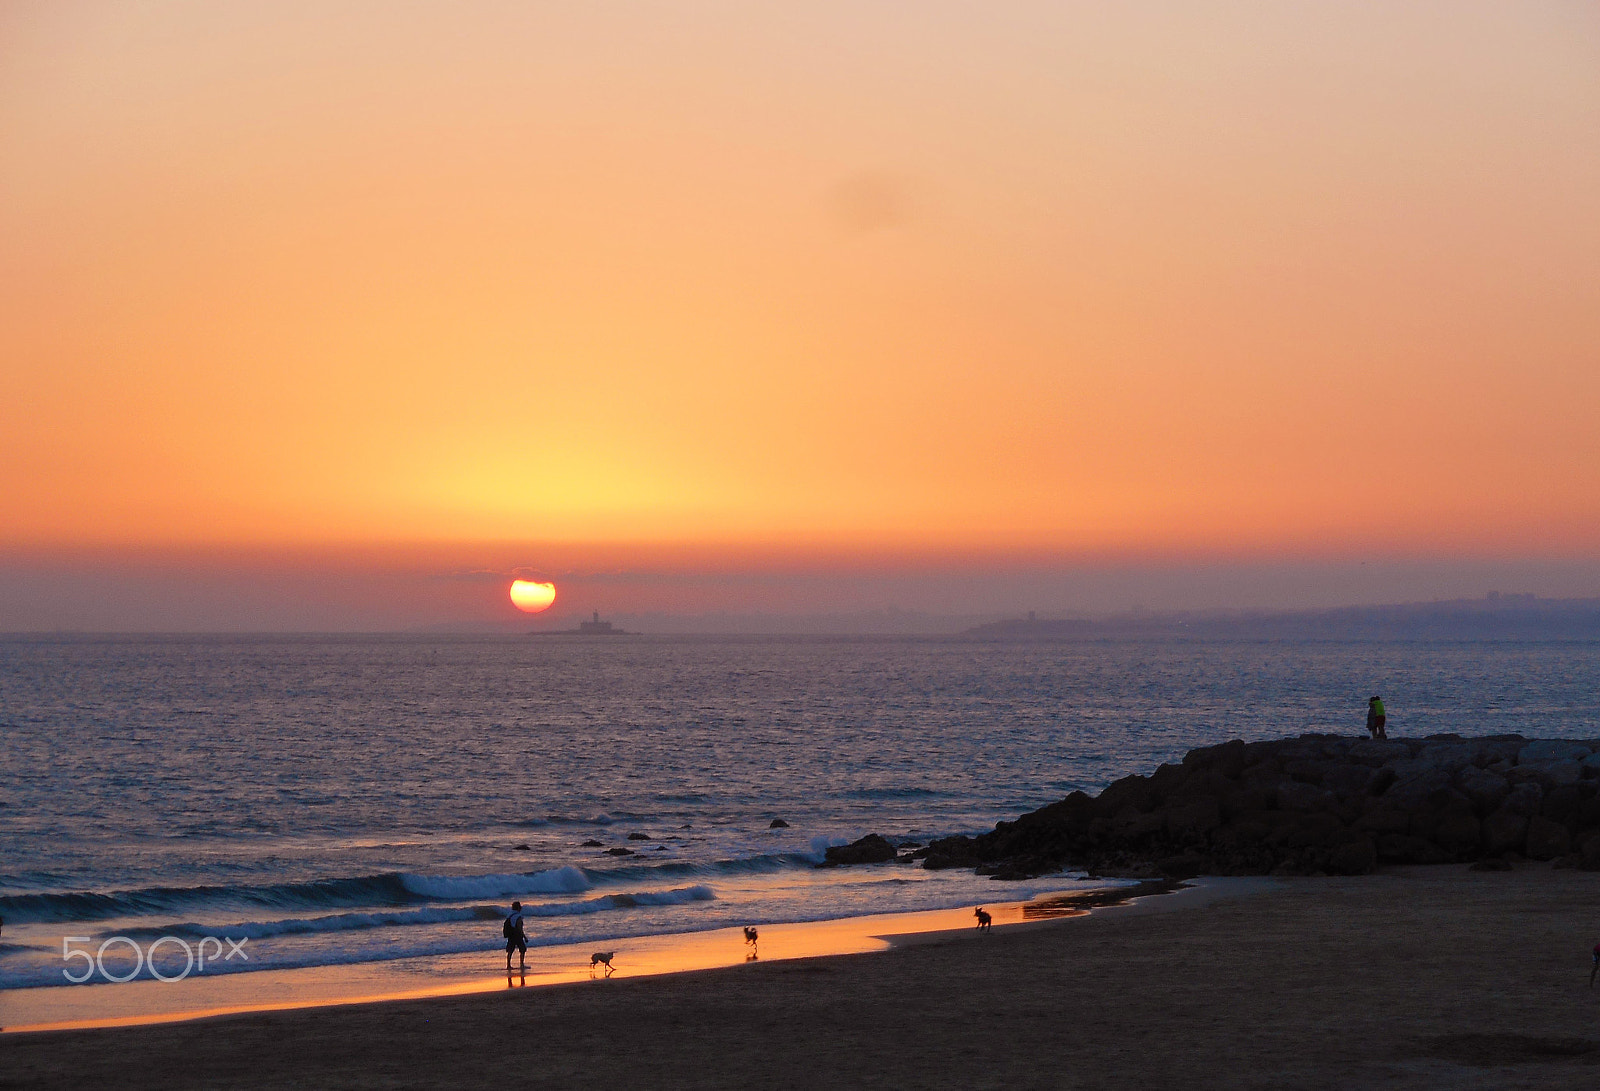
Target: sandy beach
[{"x": 1425, "y": 977}]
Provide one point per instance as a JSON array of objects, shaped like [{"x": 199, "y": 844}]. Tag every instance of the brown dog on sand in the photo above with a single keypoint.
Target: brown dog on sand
[{"x": 984, "y": 920}]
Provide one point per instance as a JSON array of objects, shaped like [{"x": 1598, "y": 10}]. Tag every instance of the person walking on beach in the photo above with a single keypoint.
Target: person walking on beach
[
  {"x": 516, "y": 938},
  {"x": 1377, "y": 718}
]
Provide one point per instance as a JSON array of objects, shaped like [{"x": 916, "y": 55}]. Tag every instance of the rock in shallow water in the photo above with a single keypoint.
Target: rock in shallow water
[{"x": 871, "y": 849}]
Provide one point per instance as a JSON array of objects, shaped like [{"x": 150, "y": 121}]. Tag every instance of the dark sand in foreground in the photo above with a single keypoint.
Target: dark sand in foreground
[{"x": 1428, "y": 977}]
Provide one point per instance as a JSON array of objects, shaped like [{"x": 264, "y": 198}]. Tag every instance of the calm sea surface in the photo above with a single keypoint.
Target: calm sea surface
[{"x": 339, "y": 800}]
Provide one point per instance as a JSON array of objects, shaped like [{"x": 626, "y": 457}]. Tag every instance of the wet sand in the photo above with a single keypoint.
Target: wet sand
[
  {"x": 141, "y": 1002},
  {"x": 1436, "y": 977}
]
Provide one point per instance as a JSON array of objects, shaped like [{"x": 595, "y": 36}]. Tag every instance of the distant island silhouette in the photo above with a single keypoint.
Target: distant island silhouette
[
  {"x": 593, "y": 627},
  {"x": 1494, "y": 617}
]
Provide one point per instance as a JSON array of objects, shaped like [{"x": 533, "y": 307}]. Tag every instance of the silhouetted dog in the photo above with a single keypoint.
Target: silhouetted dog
[
  {"x": 984, "y": 920},
  {"x": 750, "y": 937},
  {"x": 602, "y": 958}
]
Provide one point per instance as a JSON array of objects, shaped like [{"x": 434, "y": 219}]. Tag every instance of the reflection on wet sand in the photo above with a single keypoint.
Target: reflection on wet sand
[
  {"x": 1050, "y": 906},
  {"x": 147, "y": 1002}
]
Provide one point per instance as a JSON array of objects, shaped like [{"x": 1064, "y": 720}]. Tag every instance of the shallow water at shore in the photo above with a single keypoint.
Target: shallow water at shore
[{"x": 145, "y": 1002}]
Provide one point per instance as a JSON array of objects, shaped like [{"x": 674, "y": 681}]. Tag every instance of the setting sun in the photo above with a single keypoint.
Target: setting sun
[{"x": 531, "y": 597}]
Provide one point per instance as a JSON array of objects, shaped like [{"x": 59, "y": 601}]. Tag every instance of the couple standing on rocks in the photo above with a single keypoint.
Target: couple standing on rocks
[{"x": 1377, "y": 718}]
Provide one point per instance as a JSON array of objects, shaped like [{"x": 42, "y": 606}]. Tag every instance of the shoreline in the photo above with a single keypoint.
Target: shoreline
[
  {"x": 1418, "y": 977},
  {"x": 53, "y": 1009}
]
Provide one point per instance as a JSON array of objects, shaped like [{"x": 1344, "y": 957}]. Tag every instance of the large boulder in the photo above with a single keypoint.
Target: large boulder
[
  {"x": 1382, "y": 779},
  {"x": 1504, "y": 831},
  {"x": 1309, "y": 770},
  {"x": 1546, "y": 839},
  {"x": 1553, "y": 750},
  {"x": 1256, "y": 827},
  {"x": 1228, "y": 759},
  {"x": 1448, "y": 757},
  {"x": 1356, "y": 857},
  {"x": 1378, "y": 751},
  {"x": 1306, "y": 746},
  {"x": 871, "y": 849},
  {"x": 1486, "y": 790},
  {"x": 1203, "y": 783},
  {"x": 1562, "y": 804},
  {"x": 1458, "y": 833},
  {"x": 1193, "y": 816},
  {"x": 1317, "y": 830},
  {"x": 1132, "y": 824},
  {"x": 1419, "y": 791},
  {"x": 951, "y": 852},
  {"x": 1588, "y": 814},
  {"x": 1295, "y": 795},
  {"x": 1524, "y": 798},
  {"x": 1074, "y": 813},
  {"x": 1383, "y": 817},
  {"x": 1185, "y": 866},
  {"x": 1244, "y": 799},
  {"x": 1348, "y": 781},
  {"x": 1401, "y": 848},
  {"x": 1262, "y": 774},
  {"x": 1589, "y": 859},
  {"x": 1134, "y": 790},
  {"x": 1499, "y": 748},
  {"x": 1166, "y": 780},
  {"x": 1547, "y": 773}
]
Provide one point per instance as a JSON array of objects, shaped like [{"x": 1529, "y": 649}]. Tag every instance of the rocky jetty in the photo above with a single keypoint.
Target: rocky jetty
[{"x": 1315, "y": 804}]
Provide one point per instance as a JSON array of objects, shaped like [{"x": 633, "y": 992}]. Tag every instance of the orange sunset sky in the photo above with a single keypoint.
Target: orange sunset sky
[{"x": 344, "y": 303}]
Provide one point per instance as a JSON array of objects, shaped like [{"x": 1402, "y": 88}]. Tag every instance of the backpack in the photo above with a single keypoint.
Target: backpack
[{"x": 509, "y": 930}]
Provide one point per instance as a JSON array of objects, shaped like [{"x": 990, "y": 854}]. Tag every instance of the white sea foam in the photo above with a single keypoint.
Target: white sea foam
[
  {"x": 344, "y": 922},
  {"x": 821, "y": 845},
  {"x": 681, "y": 896}
]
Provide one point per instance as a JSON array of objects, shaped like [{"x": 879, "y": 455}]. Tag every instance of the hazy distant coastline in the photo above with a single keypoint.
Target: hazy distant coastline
[{"x": 1494, "y": 617}]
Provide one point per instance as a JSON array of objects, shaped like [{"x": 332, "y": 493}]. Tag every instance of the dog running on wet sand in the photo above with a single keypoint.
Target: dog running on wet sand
[
  {"x": 750, "y": 938},
  {"x": 984, "y": 920},
  {"x": 602, "y": 958}
]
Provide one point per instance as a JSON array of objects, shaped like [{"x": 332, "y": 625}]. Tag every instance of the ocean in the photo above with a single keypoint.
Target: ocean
[{"x": 334, "y": 800}]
